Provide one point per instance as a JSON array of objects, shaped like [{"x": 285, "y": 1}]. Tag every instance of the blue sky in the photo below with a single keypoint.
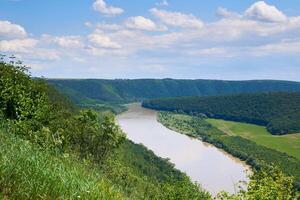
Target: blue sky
[{"x": 228, "y": 39}]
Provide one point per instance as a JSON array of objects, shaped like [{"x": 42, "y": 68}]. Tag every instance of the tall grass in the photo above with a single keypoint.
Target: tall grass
[{"x": 27, "y": 172}]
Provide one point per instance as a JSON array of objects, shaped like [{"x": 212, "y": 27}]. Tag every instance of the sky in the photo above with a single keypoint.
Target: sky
[{"x": 186, "y": 39}]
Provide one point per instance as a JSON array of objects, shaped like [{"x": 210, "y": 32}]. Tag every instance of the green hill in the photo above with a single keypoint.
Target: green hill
[
  {"x": 91, "y": 91},
  {"x": 280, "y": 112},
  {"x": 51, "y": 149}
]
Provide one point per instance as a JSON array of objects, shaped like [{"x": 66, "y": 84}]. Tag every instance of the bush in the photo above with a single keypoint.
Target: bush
[
  {"x": 267, "y": 184},
  {"x": 94, "y": 136}
]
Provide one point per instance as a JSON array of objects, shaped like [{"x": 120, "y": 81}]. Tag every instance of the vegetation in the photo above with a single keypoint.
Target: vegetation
[
  {"x": 280, "y": 112},
  {"x": 106, "y": 107},
  {"x": 266, "y": 184},
  {"x": 93, "y": 91},
  {"x": 27, "y": 172},
  {"x": 289, "y": 144},
  {"x": 253, "y": 154},
  {"x": 50, "y": 149}
]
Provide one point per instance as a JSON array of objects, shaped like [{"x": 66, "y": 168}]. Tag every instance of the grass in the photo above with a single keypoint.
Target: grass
[
  {"x": 28, "y": 172},
  {"x": 289, "y": 144}
]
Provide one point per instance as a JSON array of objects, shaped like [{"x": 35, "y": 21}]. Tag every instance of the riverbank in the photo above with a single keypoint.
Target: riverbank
[
  {"x": 204, "y": 163},
  {"x": 253, "y": 154}
]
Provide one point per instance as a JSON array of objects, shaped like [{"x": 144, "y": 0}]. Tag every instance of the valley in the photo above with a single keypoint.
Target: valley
[
  {"x": 149, "y": 100},
  {"x": 76, "y": 149}
]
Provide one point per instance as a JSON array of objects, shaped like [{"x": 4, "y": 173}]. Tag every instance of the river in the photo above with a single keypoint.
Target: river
[{"x": 211, "y": 167}]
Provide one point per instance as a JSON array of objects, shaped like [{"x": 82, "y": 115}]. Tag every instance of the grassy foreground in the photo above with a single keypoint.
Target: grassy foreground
[
  {"x": 29, "y": 172},
  {"x": 289, "y": 144}
]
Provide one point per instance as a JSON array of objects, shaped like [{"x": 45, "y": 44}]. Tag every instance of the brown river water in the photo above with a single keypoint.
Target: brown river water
[{"x": 211, "y": 167}]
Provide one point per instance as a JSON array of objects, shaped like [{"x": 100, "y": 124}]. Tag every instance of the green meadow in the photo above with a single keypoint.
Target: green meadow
[{"x": 289, "y": 144}]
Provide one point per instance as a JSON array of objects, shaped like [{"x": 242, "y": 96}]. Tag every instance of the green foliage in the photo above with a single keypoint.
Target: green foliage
[
  {"x": 253, "y": 154},
  {"x": 266, "y": 184},
  {"x": 57, "y": 100},
  {"x": 139, "y": 186},
  {"x": 50, "y": 149},
  {"x": 95, "y": 136},
  {"x": 42, "y": 115},
  {"x": 106, "y": 107},
  {"x": 29, "y": 172},
  {"x": 145, "y": 162},
  {"x": 183, "y": 190},
  {"x": 280, "y": 112},
  {"x": 20, "y": 97},
  {"x": 271, "y": 184},
  {"x": 142, "y": 175},
  {"x": 93, "y": 91}
]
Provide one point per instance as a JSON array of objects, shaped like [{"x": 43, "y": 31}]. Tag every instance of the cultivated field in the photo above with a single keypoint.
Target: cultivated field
[{"x": 289, "y": 144}]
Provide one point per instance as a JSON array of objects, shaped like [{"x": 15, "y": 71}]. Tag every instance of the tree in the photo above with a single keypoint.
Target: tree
[
  {"x": 96, "y": 136},
  {"x": 266, "y": 184}
]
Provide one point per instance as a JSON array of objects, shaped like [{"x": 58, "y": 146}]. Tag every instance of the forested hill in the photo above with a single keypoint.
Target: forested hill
[
  {"x": 279, "y": 111},
  {"x": 89, "y": 91}
]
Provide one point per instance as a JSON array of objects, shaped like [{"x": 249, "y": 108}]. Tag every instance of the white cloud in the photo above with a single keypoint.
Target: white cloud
[
  {"x": 28, "y": 49},
  {"x": 162, "y": 3},
  {"x": 101, "y": 40},
  {"x": 209, "y": 51},
  {"x": 279, "y": 47},
  {"x": 177, "y": 19},
  {"x": 88, "y": 24},
  {"x": 142, "y": 23},
  {"x": 102, "y": 7},
  {"x": 41, "y": 54},
  {"x": 17, "y": 45},
  {"x": 103, "y": 26},
  {"x": 254, "y": 32},
  {"x": 10, "y": 30},
  {"x": 110, "y": 27},
  {"x": 68, "y": 41},
  {"x": 262, "y": 11},
  {"x": 223, "y": 12}
]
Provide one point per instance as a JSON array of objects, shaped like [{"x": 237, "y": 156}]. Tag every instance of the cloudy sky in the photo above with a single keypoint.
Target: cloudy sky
[{"x": 216, "y": 39}]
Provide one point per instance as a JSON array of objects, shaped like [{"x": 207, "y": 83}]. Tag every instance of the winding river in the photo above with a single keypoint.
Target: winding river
[{"x": 214, "y": 169}]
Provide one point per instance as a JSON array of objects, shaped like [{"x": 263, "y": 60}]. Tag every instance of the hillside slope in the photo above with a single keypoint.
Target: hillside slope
[
  {"x": 89, "y": 91},
  {"x": 50, "y": 149},
  {"x": 280, "y": 112}
]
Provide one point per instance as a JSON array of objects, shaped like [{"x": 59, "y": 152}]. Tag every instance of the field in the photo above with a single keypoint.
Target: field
[{"x": 289, "y": 144}]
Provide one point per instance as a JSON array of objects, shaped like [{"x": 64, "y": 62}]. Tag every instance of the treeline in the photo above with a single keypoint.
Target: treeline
[
  {"x": 98, "y": 91},
  {"x": 279, "y": 112},
  {"x": 51, "y": 149},
  {"x": 257, "y": 156}
]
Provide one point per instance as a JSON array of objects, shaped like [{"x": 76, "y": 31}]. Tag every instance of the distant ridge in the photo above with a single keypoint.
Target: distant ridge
[{"x": 88, "y": 91}]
